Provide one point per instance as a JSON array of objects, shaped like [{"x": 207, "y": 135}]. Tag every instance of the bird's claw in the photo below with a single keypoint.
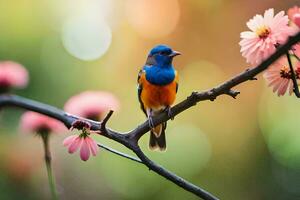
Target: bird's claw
[
  {"x": 150, "y": 121},
  {"x": 170, "y": 113}
]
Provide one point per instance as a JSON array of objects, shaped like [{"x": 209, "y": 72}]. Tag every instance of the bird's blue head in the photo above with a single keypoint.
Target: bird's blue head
[{"x": 161, "y": 55}]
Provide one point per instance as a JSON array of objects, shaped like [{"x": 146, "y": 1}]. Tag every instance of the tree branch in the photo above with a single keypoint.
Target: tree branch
[
  {"x": 131, "y": 138},
  {"x": 213, "y": 93},
  {"x": 295, "y": 85},
  {"x": 173, "y": 177},
  {"x": 68, "y": 119}
]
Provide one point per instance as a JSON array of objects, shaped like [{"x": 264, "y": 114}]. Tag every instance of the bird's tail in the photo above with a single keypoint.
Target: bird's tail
[{"x": 158, "y": 137}]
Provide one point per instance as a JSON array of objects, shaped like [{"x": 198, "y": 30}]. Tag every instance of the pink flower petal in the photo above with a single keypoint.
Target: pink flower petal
[
  {"x": 297, "y": 19},
  {"x": 277, "y": 85},
  {"x": 91, "y": 104},
  {"x": 297, "y": 49},
  {"x": 93, "y": 146},
  {"x": 33, "y": 122},
  {"x": 294, "y": 15},
  {"x": 266, "y": 31},
  {"x": 292, "y": 11},
  {"x": 291, "y": 88},
  {"x": 283, "y": 87},
  {"x": 75, "y": 144},
  {"x": 273, "y": 75},
  {"x": 13, "y": 75},
  {"x": 274, "y": 81},
  {"x": 85, "y": 150},
  {"x": 67, "y": 141}
]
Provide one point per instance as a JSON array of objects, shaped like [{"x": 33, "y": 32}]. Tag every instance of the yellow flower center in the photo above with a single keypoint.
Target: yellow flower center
[
  {"x": 285, "y": 72},
  {"x": 263, "y": 32}
]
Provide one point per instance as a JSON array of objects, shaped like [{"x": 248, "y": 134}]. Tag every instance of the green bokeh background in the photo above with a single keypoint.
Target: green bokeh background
[{"x": 248, "y": 148}]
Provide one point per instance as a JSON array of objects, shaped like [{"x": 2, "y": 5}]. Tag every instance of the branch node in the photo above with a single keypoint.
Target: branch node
[
  {"x": 232, "y": 93},
  {"x": 212, "y": 95},
  {"x": 253, "y": 79},
  {"x": 193, "y": 98},
  {"x": 212, "y": 98},
  {"x": 193, "y": 95}
]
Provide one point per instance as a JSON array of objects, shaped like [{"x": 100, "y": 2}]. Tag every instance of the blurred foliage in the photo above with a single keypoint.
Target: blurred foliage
[{"x": 246, "y": 148}]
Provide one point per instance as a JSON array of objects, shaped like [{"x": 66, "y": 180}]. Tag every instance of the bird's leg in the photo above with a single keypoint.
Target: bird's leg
[
  {"x": 170, "y": 113},
  {"x": 150, "y": 120}
]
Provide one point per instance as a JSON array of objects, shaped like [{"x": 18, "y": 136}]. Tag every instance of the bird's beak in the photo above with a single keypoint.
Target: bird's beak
[{"x": 174, "y": 53}]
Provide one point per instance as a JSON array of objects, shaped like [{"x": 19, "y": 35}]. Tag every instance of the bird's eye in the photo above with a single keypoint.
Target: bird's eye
[{"x": 164, "y": 53}]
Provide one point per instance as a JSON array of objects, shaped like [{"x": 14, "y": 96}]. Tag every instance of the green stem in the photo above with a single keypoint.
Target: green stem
[{"x": 45, "y": 137}]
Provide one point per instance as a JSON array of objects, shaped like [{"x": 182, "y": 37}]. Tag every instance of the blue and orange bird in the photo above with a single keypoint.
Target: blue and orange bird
[{"x": 157, "y": 88}]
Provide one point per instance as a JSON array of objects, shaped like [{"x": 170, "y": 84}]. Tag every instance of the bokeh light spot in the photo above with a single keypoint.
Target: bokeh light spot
[
  {"x": 279, "y": 122},
  {"x": 153, "y": 19},
  {"x": 86, "y": 38}
]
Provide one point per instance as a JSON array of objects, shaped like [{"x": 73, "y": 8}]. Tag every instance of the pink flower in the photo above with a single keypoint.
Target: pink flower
[
  {"x": 294, "y": 15},
  {"x": 86, "y": 144},
  {"x": 12, "y": 75},
  {"x": 296, "y": 50},
  {"x": 266, "y": 32},
  {"x": 278, "y": 76},
  {"x": 35, "y": 122},
  {"x": 296, "y": 19},
  {"x": 91, "y": 104}
]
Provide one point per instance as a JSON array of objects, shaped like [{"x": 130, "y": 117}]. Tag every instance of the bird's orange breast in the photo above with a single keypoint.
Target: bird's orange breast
[{"x": 157, "y": 97}]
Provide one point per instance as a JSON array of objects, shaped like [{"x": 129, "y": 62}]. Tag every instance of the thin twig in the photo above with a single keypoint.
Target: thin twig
[
  {"x": 295, "y": 85},
  {"x": 105, "y": 120},
  {"x": 119, "y": 153},
  {"x": 295, "y": 55},
  {"x": 233, "y": 93}
]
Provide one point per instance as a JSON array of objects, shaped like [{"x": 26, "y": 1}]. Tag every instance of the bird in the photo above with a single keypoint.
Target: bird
[{"x": 157, "y": 89}]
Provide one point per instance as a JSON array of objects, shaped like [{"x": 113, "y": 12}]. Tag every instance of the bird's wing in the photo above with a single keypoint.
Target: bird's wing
[
  {"x": 140, "y": 88},
  {"x": 176, "y": 80}
]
